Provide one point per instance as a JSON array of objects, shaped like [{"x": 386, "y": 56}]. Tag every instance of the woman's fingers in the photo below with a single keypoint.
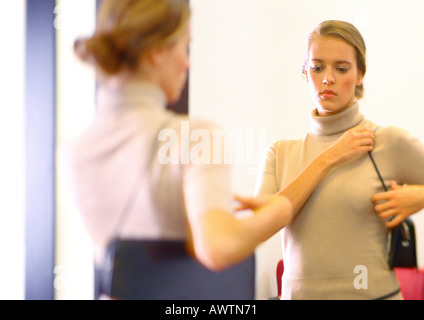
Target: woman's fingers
[
  {"x": 364, "y": 136},
  {"x": 397, "y": 220}
]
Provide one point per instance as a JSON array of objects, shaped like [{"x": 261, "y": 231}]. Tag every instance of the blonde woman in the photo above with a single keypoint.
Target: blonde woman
[
  {"x": 336, "y": 235},
  {"x": 140, "y": 51}
]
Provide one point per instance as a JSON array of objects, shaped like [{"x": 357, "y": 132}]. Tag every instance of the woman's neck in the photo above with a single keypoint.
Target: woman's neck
[
  {"x": 335, "y": 123},
  {"x": 324, "y": 113}
]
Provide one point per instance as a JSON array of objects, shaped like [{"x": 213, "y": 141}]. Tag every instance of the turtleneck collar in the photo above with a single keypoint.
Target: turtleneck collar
[
  {"x": 115, "y": 95},
  {"x": 335, "y": 124}
]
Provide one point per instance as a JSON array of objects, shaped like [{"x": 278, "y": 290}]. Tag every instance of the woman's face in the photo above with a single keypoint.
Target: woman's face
[
  {"x": 174, "y": 66},
  {"x": 332, "y": 75}
]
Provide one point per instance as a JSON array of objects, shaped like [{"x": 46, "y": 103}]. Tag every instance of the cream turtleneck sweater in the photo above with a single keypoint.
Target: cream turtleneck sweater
[{"x": 337, "y": 232}]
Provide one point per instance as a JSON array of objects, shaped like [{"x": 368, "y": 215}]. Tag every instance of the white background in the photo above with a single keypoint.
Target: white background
[{"x": 12, "y": 163}]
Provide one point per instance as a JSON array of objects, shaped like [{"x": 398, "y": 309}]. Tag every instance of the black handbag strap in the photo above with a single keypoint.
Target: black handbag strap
[
  {"x": 378, "y": 171},
  {"x": 405, "y": 228},
  {"x": 143, "y": 171}
]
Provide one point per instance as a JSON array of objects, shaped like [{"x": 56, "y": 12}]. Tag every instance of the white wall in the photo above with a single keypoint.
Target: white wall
[
  {"x": 246, "y": 73},
  {"x": 74, "y": 278},
  {"x": 12, "y": 163}
]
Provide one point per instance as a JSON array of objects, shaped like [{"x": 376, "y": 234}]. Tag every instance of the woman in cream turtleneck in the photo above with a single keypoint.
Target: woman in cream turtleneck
[{"x": 337, "y": 229}]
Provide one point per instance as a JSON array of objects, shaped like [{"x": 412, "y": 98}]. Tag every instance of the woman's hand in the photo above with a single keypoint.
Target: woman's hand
[
  {"x": 356, "y": 141},
  {"x": 399, "y": 203}
]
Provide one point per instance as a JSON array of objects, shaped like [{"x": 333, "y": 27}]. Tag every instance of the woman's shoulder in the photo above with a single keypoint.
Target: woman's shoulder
[
  {"x": 283, "y": 146},
  {"x": 398, "y": 140},
  {"x": 393, "y": 133},
  {"x": 190, "y": 124},
  {"x": 283, "y": 143}
]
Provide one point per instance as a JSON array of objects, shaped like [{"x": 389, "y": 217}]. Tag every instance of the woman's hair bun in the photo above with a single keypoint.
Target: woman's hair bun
[{"x": 101, "y": 51}]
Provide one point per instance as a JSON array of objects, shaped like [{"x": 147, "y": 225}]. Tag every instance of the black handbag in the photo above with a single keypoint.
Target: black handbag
[
  {"x": 401, "y": 242},
  {"x": 138, "y": 269},
  {"x": 401, "y": 245}
]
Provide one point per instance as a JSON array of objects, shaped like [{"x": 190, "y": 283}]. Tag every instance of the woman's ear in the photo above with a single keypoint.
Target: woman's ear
[
  {"x": 154, "y": 56},
  {"x": 149, "y": 63},
  {"x": 360, "y": 79}
]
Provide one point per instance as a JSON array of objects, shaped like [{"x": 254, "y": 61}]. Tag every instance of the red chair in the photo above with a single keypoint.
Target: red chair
[
  {"x": 280, "y": 271},
  {"x": 411, "y": 283}
]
